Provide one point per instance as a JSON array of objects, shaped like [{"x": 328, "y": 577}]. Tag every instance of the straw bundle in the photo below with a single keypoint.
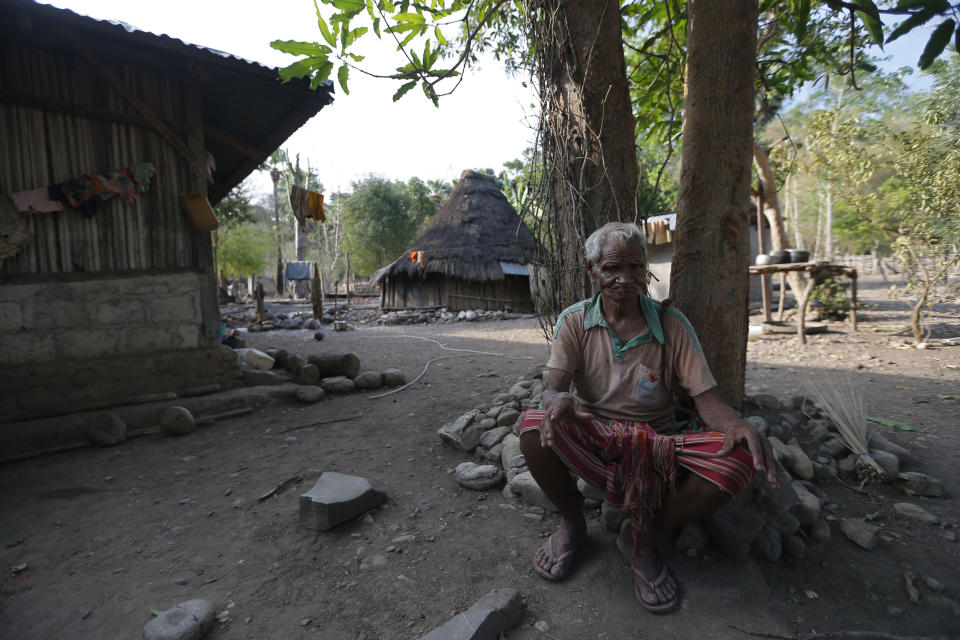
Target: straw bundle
[{"x": 844, "y": 406}]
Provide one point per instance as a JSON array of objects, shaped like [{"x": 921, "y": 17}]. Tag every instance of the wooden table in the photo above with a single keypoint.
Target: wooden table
[{"x": 814, "y": 270}]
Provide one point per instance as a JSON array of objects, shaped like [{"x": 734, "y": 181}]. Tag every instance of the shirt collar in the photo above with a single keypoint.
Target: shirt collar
[{"x": 650, "y": 308}]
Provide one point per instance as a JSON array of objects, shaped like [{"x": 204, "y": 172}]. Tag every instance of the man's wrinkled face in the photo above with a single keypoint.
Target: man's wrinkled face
[{"x": 621, "y": 272}]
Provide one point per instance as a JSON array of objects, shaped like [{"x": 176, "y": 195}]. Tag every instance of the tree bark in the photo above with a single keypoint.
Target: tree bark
[
  {"x": 774, "y": 217},
  {"x": 587, "y": 127},
  {"x": 709, "y": 279}
]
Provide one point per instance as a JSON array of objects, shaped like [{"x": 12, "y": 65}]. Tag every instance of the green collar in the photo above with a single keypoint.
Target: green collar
[{"x": 594, "y": 317}]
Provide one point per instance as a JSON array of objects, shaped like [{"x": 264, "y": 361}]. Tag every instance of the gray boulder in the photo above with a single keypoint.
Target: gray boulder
[
  {"x": 464, "y": 432},
  {"x": 888, "y": 462},
  {"x": 309, "y": 393},
  {"x": 508, "y": 417},
  {"x": 337, "y": 384},
  {"x": 861, "y": 533},
  {"x": 188, "y": 620},
  {"x": 336, "y": 498},
  {"x": 524, "y": 485},
  {"x": 489, "y": 618},
  {"x": 914, "y": 483},
  {"x": 494, "y": 436},
  {"x": 107, "y": 430},
  {"x": 879, "y": 442},
  {"x": 512, "y": 455},
  {"x": 369, "y": 380},
  {"x": 692, "y": 536},
  {"x": 393, "y": 378},
  {"x": 917, "y": 513},
  {"x": 808, "y": 509},
  {"x": 309, "y": 374},
  {"x": 800, "y": 464},
  {"x": 478, "y": 476}
]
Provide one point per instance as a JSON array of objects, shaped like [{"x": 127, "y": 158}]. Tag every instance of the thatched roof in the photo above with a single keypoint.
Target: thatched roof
[{"x": 473, "y": 232}]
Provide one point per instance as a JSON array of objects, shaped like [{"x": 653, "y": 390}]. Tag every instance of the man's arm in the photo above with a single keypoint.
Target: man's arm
[
  {"x": 721, "y": 417},
  {"x": 560, "y": 404}
]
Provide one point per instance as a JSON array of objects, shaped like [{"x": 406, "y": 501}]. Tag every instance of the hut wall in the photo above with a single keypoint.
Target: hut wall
[
  {"x": 401, "y": 292},
  {"x": 134, "y": 283},
  {"x": 513, "y": 292}
]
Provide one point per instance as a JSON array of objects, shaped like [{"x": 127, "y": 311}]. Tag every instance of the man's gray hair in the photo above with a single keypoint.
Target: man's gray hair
[{"x": 623, "y": 232}]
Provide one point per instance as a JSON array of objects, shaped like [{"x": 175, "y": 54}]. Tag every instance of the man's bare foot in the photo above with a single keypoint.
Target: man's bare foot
[
  {"x": 655, "y": 588},
  {"x": 555, "y": 557}
]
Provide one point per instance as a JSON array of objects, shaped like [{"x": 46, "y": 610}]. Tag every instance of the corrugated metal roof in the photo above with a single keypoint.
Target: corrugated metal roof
[{"x": 514, "y": 269}]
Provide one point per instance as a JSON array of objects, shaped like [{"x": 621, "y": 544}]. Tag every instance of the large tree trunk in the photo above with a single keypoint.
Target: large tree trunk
[
  {"x": 709, "y": 279},
  {"x": 587, "y": 128}
]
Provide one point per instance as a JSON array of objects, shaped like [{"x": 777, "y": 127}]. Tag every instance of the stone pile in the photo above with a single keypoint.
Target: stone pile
[
  {"x": 311, "y": 374},
  {"x": 767, "y": 522},
  {"x": 442, "y": 316}
]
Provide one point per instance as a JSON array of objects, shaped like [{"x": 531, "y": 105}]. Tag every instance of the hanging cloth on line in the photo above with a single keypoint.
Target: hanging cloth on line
[
  {"x": 299, "y": 270},
  {"x": 306, "y": 204}
]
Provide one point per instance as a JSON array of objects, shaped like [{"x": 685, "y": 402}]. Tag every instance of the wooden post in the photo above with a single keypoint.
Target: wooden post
[
  {"x": 316, "y": 293},
  {"x": 348, "y": 279},
  {"x": 764, "y": 280},
  {"x": 194, "y": 78},
  {"x": 853, "y": 298},
  {"x": 782, "y": 297},
  {"x": 802, "y": 309},
  {"x": 259, "y": 296}
]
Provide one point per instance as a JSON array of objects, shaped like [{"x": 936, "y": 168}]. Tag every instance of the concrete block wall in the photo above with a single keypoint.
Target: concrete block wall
[
  {"x": 47, "y": 321},
  {"x": 78, "y": 343}
]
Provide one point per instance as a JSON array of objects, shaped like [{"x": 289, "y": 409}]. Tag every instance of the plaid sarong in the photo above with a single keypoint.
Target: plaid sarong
[{"x": 636, "y": 467}]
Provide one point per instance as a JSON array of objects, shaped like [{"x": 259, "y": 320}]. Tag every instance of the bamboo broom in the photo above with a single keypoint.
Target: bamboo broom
[{"x": 843, "y": 404}]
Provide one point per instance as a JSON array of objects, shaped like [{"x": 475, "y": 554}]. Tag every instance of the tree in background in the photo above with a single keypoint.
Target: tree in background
[
  {"x": 379, "y": 221},
  {"x": 242, "y": 250}
]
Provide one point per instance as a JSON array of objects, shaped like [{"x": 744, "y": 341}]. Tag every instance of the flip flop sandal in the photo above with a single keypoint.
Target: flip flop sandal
[
  {"x": 558, "y": 561},
  {"x": 656, "y": 606}
]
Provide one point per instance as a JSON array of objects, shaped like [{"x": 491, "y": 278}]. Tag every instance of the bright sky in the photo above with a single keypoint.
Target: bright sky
[{"x": 488, "y": 120}]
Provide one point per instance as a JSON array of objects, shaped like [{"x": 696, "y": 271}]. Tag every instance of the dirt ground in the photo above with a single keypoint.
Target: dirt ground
[{"x": 107, "y": 535}]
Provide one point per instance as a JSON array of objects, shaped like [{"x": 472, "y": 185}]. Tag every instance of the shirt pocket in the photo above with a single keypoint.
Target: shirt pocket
[{"x": 648, "y": 388}]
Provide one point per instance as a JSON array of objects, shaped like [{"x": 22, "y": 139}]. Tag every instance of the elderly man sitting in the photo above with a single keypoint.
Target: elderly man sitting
[{"x": 624, "y": 354}]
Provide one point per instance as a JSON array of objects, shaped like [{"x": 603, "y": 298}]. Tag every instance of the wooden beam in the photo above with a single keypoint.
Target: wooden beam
[
  {"x": 231, "y": 141},
  {"x": 121, "y": 87}
]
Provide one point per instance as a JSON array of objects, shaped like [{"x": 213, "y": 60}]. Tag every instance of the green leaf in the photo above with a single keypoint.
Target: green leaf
[
  {"x": 331, "y": 38},
  {"x": 376, "y": 26},
  {"x": 439, "y": 36},
  {"x": 412, "y": 18},
  {"x": 296, "y": 47},
  {"x": 354, "y": 34},
  {"x": 342, "y": 74},
  {"x": 370, "y": 12},
  {"x": 909, "y": 24},
  {"x": 349, "y": 6},
  {"x": 431, "y": 94},
  {"x": 323, "y": 72},
  {"x": 936, "y": 44},
  {"x": 388, "y": 6},
  {"x": 871, "y": 20},
  {"x": 403, "y": 89},
  {"x": 801, "y": 16},
  {"x": 893, "y": 423},
  {"x": 302, "y": 68}
]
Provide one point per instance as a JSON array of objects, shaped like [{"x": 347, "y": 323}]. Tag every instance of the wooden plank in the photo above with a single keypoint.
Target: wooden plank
[{"x": 117, "y": 83}]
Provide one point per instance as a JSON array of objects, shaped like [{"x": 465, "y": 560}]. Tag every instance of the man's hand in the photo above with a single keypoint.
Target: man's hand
[
  {"x": 740, "y": 432},
  {"x": 560, "y": 405}
]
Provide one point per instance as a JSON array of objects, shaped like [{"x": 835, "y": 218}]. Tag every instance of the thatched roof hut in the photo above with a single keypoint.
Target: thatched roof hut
[{"x": 475, "y": 255}]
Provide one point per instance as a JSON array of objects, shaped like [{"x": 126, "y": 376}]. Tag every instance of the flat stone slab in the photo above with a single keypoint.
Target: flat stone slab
[
  {"x": 862, "y": 534},
  {"x": 188, "y": 620},
  {"x": 337, "y": 498},
  {"x": 490, "y": 616},
  {"x": 478, "y": 476}
]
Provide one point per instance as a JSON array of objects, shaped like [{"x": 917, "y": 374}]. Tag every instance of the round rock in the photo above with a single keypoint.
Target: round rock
[
  {"x": 177, "y": 421},
  {"x": 188, "y": 620},
  {"x": 478, "y": 476},
  {"x": 108, "y": 430},
  {"x": 337, "y": 384},
  {"x": 368, "y": 380},
  {"x": 309, "y": 393},
  {"x": 393, "y": 377}
]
